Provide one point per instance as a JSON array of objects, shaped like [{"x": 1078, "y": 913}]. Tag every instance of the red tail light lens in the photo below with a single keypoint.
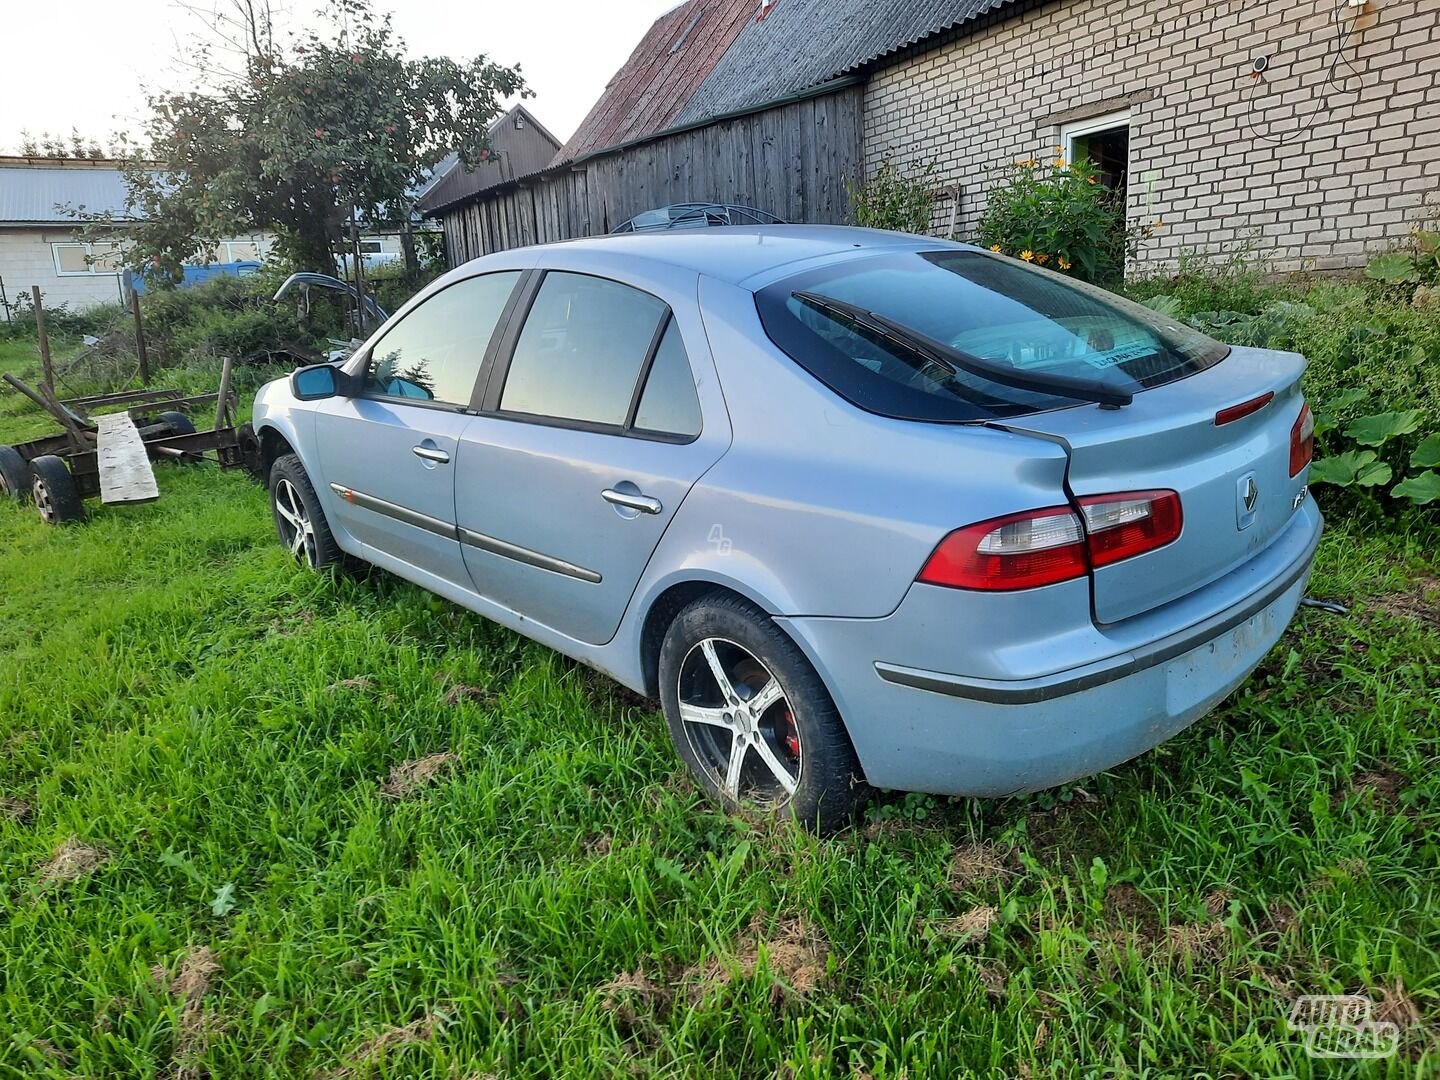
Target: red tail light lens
[
  {"x": 1244, "y": 409},
  {"x": 1130, "y": 524},
  {"x": 1044, "y": 547},
  {"x": 1302, "y": 441},
  {"x": 1021, "y": 551}
]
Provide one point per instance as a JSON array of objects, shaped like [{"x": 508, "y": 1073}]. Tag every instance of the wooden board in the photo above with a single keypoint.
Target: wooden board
[{"x": 125, "y": 473}]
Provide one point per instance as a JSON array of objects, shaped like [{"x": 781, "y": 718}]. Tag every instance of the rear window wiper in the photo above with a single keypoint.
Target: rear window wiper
[{"x": 954, "y": 360}]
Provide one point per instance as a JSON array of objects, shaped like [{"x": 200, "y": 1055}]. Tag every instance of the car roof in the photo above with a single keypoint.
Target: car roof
[{"x": 752, "y": 255}]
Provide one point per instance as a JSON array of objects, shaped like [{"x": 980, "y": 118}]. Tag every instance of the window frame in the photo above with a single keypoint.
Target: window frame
[
  {"x": 362, "y": 359},
  {"x": 89, "y": 249},
  {"x": 489, "y": 400},
  {"x": 1093, "y": 125}
]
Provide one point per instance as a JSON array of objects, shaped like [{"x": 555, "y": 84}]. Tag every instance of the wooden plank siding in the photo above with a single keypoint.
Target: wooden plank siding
[{"x": 793, "y": 160}]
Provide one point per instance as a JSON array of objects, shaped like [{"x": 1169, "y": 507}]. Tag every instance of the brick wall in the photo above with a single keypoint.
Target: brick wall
[{"x": 1314, "y": 168}]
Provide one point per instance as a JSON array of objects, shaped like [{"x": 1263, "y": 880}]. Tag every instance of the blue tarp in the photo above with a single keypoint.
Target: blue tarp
[{"x": 194, "y": 275}]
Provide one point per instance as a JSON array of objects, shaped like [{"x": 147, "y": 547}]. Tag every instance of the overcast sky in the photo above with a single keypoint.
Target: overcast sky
[{"x": 86, "y": 63}]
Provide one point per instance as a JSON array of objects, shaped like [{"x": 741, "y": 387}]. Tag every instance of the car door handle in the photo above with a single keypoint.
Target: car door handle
[
  {"x": 643, "y": 503},
  {"x": 439, "y": 456}
]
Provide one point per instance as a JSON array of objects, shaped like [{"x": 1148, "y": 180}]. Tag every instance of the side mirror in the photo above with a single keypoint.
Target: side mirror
[{"x": 318, "y": 382}]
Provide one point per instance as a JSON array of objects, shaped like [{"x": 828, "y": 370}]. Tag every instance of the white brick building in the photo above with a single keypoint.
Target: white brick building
[
  {"x": 39, "y": 242},
  {"x": 1326, "y": 155}
]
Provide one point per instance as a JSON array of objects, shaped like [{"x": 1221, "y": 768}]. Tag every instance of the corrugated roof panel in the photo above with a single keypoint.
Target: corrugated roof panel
[
  {"x": 33, "y": 194},
  {"x": 670, "y": 61},
  {"x": 802, "y": 43}
]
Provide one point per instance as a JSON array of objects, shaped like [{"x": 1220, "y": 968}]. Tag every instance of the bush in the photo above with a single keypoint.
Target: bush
[
  {"x": 1057, "y": 215},
  {"x": 1371, "y": 378},
  {"x": 891, "y": 199}
]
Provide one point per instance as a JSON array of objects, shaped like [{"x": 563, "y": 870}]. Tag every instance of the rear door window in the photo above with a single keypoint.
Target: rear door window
[
  {"x": 986, "y": 307},
  {"x": 584, "y": 347}
]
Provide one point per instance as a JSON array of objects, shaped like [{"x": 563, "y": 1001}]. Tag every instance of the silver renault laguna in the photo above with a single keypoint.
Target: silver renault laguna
[{"x": 860, "y": 508}]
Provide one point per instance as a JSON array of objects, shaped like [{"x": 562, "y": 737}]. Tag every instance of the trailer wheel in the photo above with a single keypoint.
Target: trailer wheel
[
  {"x": 56, "y": 496},
  {"x": 14, "y": 475},
  {"x": 179, "y": 423}
]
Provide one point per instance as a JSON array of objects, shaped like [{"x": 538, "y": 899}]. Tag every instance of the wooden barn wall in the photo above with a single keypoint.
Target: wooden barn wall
[{"x": 793, "y": 160}]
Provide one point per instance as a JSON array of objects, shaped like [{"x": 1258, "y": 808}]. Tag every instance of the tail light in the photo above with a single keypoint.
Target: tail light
[
  {"x": 1302, "y": 441},
  {"x": 1122, "y": 526},
  {"x": 1043, "y": 547}
]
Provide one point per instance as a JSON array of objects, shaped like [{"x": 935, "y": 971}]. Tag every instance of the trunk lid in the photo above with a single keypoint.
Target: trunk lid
[{"x": 1167, "y": 438}]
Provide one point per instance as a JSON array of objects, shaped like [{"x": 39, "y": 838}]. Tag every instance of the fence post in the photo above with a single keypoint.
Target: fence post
[
  {"x": 40, "y": 333},
  {"x": 140, "y": 339}
]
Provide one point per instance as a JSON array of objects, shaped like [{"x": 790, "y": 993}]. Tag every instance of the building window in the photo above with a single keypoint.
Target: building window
[
  {"x": 228, "y": 251},
  {"x": 75, "y": 259},
  {"x": 1105, "y": 141}
]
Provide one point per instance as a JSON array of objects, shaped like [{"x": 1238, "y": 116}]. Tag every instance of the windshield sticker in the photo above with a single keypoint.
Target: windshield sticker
[{"x": 1028, "y": 359}]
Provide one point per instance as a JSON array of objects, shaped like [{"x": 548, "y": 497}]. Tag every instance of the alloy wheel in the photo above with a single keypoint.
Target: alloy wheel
[
  {"x": 41, "y": 494},
  {"x": 296, "y": 530},
  {"x": 739, "y": 723}
]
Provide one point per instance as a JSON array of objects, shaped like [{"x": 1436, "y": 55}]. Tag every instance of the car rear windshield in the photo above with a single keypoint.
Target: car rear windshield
[{"x": 981, "y": 313}]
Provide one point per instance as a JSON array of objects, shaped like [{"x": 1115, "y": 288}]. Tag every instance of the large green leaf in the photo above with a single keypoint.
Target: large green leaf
[
  {"x": 1358, "y": 468},
  {"x": 1427, "y": 454},
  {"x": 1419, "y": 489},
  {"x": 1396, "y": 268},
  {"x": 1380, "y": 428},
  {"x": 1165, "y": 305},
  {"x": 1346, "y": 398}
]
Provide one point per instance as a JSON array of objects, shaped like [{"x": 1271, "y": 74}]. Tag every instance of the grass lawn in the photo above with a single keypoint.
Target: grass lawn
[{"x": 261, "y": 823}]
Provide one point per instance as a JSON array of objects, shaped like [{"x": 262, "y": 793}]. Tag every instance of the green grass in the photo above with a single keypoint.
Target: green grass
[{"x": 172, "y": 695}]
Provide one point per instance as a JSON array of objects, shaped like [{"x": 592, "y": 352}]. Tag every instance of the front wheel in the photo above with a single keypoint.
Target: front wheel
[
  {"x": 299, "y": 520},
  {"x": 751, "y": 718}
]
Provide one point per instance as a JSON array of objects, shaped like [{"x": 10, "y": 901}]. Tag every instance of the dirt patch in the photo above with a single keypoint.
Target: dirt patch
[
  {"x": 72, "y": 860},
  {"x": 977, "y": 864},
  {"x": 969, "y": 927},
  {"x": 1420, "y": 601},
  {"x": 627, "y": 994},
  {"x": 191, "y": 983},
  {"x": 797, "y": 956},
  {"x": 410, "y": 776},
  {"x": 372, "y": 1049},
  {"x": 1383, "y": 785},
  {"x": 1128, "y": 907},
  {"x": 1396, "y": 1006},
  {"x": 1217, "y": 901},
  {"x": 1198, "y": 940},
  {"x": 15, "y": 809},
  {"x": 994, "y": 978},
  {"x": 463, "y": 692},
  {"x": 360, "y": 682},
  {"x": 599, "y": 846}
]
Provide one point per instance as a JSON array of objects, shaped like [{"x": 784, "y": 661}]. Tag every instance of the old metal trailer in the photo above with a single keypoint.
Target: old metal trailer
[{"x": 108, "y": 442}]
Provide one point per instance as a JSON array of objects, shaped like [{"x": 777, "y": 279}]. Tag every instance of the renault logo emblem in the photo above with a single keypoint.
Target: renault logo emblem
[
  {"x": 1247, "y": 498},
  {"x": 1251, "y": 495}
]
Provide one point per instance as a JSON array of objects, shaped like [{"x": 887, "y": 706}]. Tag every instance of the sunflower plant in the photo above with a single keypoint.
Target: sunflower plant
[{"x": 1057, "y": 214}]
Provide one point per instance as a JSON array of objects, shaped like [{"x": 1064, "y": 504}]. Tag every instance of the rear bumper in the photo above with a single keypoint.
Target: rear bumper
[{"x": 1121, "y": 691}]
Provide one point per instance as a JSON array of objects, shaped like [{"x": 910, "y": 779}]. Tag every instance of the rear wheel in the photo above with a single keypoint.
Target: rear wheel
[
  {"x": 54, "y": 491},
  {"x": 14, "y": 475},
  {"x": 179, "y": 423},
  {"x": 751, "y": 718},
  {"x": 299, "y": 520}
]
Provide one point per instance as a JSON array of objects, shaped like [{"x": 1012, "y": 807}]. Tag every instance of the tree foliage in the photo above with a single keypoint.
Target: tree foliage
[{"x": 294, "y": 136}]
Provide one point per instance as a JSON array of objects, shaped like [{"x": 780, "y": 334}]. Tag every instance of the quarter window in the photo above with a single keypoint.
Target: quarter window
[
  {"x": 669, "y": 405},
  {"x": 582, "y": 349},
  {"x": 435, "y": 352}
]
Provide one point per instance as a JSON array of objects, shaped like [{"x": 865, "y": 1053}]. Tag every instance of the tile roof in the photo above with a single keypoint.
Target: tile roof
[
  {"x": 802, "y": 43},
  {"x": 32, "y": 194},
  {"x": 667, "y": 65}
]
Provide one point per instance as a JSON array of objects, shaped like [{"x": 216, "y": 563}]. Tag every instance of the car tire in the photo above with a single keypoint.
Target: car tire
[
  {"x": 14, "y": 475},
  {"x": 769, "y": 738},
  {"x": 299, "y": 521},
  {"x": 54, "y": 491}
]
